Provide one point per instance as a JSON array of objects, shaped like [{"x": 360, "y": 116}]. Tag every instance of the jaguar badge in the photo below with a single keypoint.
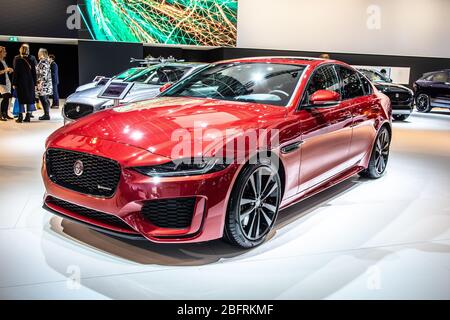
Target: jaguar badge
[{"x": 78, "y": 168}]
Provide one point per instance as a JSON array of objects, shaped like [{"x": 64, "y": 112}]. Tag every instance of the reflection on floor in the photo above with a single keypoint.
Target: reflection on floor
[{"x": 381, "y": 239}]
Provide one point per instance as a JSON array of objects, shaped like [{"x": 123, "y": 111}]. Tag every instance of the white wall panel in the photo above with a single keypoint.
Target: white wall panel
[{"x": 397, "y": 27}]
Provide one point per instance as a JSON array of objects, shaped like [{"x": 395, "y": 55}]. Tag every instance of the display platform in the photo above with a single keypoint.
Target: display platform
[{"x": 362, "y": 239}]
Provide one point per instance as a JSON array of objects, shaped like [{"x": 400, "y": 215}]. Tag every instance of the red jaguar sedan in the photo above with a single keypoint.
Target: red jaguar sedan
[{"x": 218, "y": 154}]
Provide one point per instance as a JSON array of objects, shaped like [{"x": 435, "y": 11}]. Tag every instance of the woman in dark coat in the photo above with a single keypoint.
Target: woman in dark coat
[{"x": 24, "y": 82}]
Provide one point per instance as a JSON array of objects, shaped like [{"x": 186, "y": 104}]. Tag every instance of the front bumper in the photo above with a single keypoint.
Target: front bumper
[
  {"x": 440, "y": 102},
  {"x": 399, "y": 107},
  {"x": 211, "y": 193},
  {"x": 401, "y": 111}
]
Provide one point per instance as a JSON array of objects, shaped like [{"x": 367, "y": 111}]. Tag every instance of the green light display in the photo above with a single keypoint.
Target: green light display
[{"x": 190, "y": 22}]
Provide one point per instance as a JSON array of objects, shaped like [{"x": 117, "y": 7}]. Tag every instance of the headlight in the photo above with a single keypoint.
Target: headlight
[
  {"x": 106, "y": 105},
  {"x": 184, "y": 167}
]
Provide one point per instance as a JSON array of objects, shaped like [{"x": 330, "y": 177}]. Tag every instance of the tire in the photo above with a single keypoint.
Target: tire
[
  {"x": 400, "y": 117},
  {"x": 423, "y": 103},
  {"x": 379, "y": 157},
  {"x": 250, "y": 215}
]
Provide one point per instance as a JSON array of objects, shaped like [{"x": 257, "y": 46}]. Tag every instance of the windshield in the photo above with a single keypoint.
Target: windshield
[
  {"x": 159, "y": 75},
  {"x": 249, "y": 82},
  {"x": 374, "y": 76},
  {"x": 128, "y": 73}
]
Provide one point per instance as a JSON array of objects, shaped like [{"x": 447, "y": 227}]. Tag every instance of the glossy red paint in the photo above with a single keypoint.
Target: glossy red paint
[{"x": 334, "y": 143}]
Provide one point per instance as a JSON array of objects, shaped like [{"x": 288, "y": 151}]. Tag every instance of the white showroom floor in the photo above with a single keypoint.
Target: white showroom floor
[{"x": 383, "y": 239}]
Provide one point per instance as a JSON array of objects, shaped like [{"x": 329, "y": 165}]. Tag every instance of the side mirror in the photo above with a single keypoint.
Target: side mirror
[
  {"x": 389, "y": 80},
  {"x": 324, "y": 98},
  {"x": 165, "y": 86}
]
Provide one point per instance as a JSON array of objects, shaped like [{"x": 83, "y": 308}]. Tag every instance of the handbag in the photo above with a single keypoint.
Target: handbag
[{"x": 16, "y": 106}]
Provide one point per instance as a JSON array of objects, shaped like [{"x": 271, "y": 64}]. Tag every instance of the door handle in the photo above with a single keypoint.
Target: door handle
[{"x": 291, "y": 147}]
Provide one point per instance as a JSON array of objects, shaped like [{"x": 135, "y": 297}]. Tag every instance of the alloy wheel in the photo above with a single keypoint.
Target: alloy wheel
[
  {"x": 422, "y": 103},
  {"x": 259, "y": 202},
  {"x": 382, "y": 152}
]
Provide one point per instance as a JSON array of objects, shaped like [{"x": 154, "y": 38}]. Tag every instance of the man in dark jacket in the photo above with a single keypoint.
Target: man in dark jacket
[{"x": 55, "y": 81}]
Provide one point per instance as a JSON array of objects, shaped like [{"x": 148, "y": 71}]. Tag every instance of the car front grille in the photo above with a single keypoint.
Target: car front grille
[
  {"x": 105, "y": 218},
  {"x": 399, "y": 97},
  {"x": 99, "y": 176},
  {"x": 77, "y": 110},
  {"x": 169, "y": 213}
]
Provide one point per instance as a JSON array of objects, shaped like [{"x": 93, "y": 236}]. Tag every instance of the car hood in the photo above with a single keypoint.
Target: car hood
[
  {"x": 86, "y": 86},
  {"x": 88, "y": 91},
  {"x": 90, "y": 96},
  {"x": 158, "y": 125}
]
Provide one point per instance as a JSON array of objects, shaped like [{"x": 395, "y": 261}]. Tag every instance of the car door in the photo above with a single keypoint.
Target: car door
[
  {"x": 357, "y": 96},
  {"x": 326, "y": 131},
  {"x": 440, "y": 88}
]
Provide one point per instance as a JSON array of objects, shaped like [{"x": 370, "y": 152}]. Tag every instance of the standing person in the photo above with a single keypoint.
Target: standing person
[
  {"x": 55, "y": 80},
  {"x": 5, "y": 85},
  {"x": 44, "y": 82},
  {"x": 24, "y": 81}
]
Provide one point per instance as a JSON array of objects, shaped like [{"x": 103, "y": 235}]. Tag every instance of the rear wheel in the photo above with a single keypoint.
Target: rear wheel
[
  {"x": 379, "y": 157},
  {"x": 423, "y": 103},
  {"x": 253, "y": 206},
  {"x": 400, "y": 117}
]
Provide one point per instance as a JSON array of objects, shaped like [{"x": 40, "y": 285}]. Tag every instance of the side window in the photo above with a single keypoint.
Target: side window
[
  {"x": 324, "y": 78},
  {"x": 351, "y": 85},
  {"x": 440, "y": 77},
  {"x": 366, "y": 85}
]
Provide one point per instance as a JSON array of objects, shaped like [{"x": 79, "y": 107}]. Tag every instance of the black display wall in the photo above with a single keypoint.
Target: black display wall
[
  {"x": 80, "y": 63},
  {"x": 418, "y": 65},
  {"x": 66, "y": 57},
  {"x": 36, "y": 18},
  {"x": 156, "y": 51},
  {"x": 98, "y": 58}
]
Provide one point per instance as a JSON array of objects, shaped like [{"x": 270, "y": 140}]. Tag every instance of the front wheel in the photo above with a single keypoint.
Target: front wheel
[
  {"x": 253, "y": 206},
  {"x": 423, "y": 103},
  {"x": 379, "y": 157}
]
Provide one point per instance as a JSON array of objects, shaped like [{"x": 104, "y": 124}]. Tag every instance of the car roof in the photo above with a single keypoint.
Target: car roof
[
  {"x": 177, "y": 64},
  {"x": 282, "y": 60},
  {"x": 437, "y": 71}
]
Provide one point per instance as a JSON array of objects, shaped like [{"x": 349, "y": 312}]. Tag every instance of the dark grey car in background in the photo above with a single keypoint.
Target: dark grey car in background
[{"x": 432, "y": 90}]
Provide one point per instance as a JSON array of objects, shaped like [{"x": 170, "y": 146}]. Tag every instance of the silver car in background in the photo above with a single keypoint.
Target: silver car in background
[{"x": 147, "y": 83}]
